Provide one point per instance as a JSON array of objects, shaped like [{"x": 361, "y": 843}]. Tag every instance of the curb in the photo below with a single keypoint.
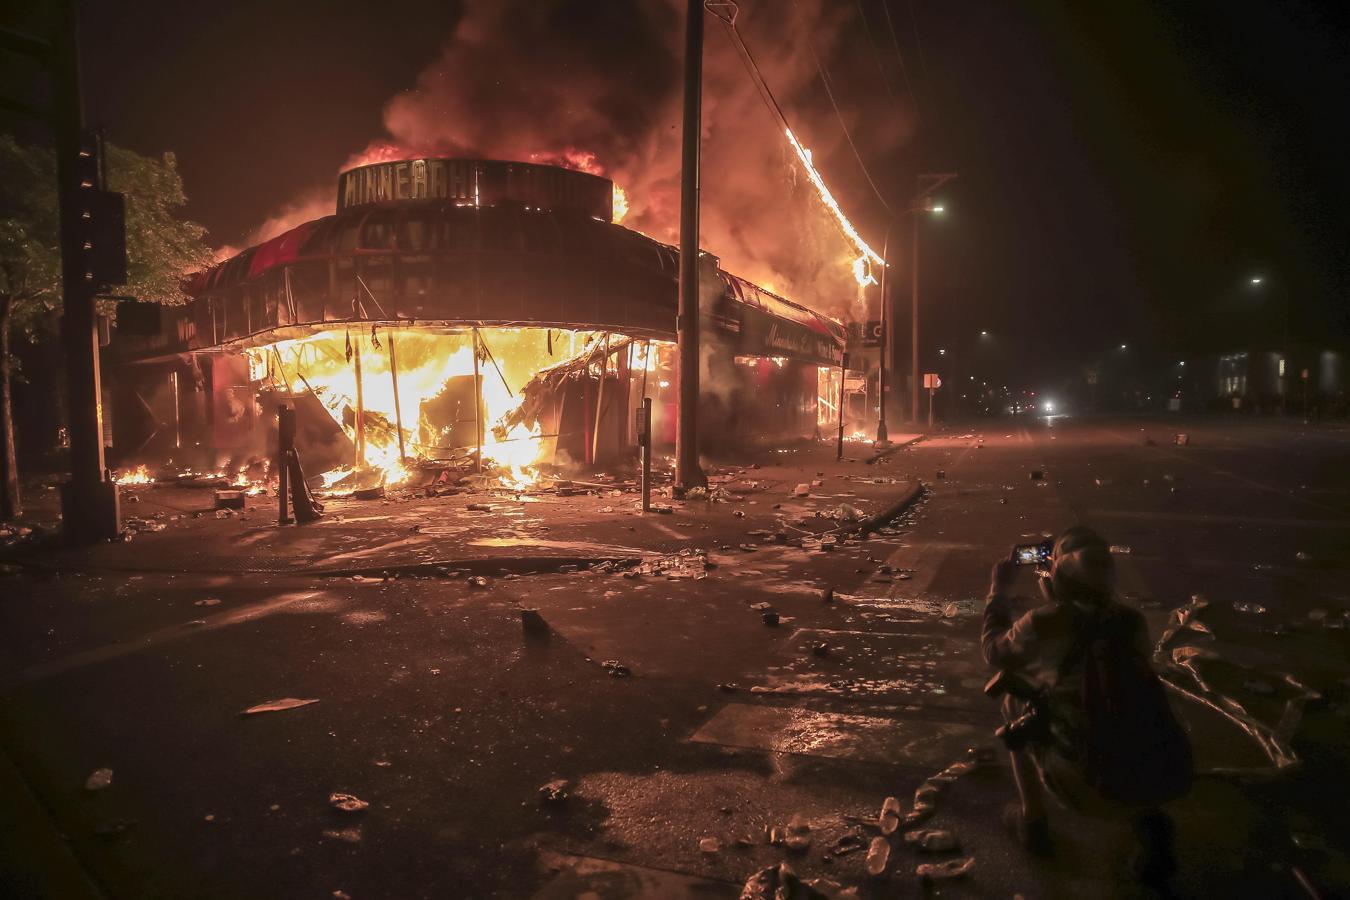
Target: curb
[
  {"x": 483, "y": 565},
  {"x": 896, "y": 509},
  {"x": 882, "y": 454}
]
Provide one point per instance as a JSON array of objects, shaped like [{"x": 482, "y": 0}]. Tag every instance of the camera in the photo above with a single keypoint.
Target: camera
[
  {"x": 1033, "y": 554},
  {"x": 1033, "y": 726}
]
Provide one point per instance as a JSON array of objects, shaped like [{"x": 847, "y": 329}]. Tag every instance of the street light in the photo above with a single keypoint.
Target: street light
[
  {"x": 925, "y": 184},
  {"x": 1257, "y": 281},
  {"x": 883, "y": 438}
]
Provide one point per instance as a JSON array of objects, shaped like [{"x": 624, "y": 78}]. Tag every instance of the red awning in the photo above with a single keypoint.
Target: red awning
[{"x": 281, "y": 249}]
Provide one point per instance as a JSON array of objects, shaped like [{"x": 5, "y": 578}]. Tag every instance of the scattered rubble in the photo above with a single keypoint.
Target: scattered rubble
[
  {"x": 616, "y": 669},
  {"x": 690, "y": 563},
  {"x": 889, "y": 820},
  {"x": 347, "y": 803},
  {"x": 952, "y": 868},
  {"x": 98, "y": 780},
  {"x": 781, "y": 883},
  {"x": 878, "y": 856},
  {"x": 554, "y": 792},
  {"x": 281, "y": 705}
]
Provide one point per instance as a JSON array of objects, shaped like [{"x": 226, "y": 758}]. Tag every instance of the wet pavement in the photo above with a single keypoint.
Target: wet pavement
[{"x": 697, "y": 744}]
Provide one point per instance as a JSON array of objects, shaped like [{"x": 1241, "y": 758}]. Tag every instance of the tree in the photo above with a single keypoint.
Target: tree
[{"x": 161, "y": 250}]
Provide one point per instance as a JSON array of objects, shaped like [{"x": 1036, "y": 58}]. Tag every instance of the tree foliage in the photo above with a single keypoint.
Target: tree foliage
[
  {"x": 161, "y": 247},
  {"x": 162, "y": 250}
]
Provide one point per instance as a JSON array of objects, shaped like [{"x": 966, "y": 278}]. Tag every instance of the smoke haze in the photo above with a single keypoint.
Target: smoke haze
[{"x": 598, "y": 87}]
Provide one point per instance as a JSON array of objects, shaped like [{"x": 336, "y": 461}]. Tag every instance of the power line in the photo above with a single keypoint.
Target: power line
[
  {"x": 825, "y": 80},
  {"x": 937, "y": 121},
  {"x": 876, "y": 55},
  {"x": 904, "y": 70},
  {"x": 729, "y": 20},
  {"x": 918, "y": 43}
]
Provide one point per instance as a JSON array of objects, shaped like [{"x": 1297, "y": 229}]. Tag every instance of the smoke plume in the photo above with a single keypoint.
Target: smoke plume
[{"x": 597, "y": 86}]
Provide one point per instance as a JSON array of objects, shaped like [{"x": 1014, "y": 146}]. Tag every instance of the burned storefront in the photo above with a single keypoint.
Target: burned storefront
[{"x": 456, "y": 313}]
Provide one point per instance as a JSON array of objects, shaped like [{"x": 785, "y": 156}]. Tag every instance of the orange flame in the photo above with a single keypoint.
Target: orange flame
[
  {"x": 427, "y": 364},
  {"x": 861, "y": 268},
  {"x": 138, "y": 475}
]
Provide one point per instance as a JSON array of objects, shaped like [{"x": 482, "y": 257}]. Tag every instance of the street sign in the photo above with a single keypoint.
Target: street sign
[
  {"x": 932, "y": 381},
  {"x": 872, "y": 334}
]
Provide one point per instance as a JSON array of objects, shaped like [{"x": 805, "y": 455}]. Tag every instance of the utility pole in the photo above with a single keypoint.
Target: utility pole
[
  {"x": 925, "y": 185},
  {"x": 883, "y": 438},
  {"x": 687, "y": 472},
  {"x": 89, "y": 503}
]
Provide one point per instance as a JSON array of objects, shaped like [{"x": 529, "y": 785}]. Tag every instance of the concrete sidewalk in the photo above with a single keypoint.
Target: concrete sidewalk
[{"x": 486, "y": 527}]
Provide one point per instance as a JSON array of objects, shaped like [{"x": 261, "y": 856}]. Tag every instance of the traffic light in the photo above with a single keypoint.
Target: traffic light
[{"x": 101, "y": 223}]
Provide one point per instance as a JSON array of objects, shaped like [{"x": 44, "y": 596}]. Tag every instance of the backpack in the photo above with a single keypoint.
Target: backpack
[{"x": 1131, "y": 748}]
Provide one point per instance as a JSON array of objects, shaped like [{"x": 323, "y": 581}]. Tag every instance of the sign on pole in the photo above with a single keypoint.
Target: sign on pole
[{"x": 932, "y": 381}]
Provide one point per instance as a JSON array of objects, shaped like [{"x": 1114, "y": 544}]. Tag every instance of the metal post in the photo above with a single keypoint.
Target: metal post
[
  {"x": 1284, "y": 354},
  {"x": 925, "y": 184},
  {"x": 398, "y": 411},
  {"x": 914, "y": 328},
  {"x": 477, "y": 408},
  {"x": 883, "y": 438},
  {"x": 600, "y": 400},
  {"x": 843, "y": 377},
  {"x": 687, "y": 472},
  {"x": 360, "y": 407},
  {"x": 89, "y": 504},
  {"x": 285, "y": 445},
  {"x": 931, "y": 392},
  {"x": 645, "y": 441}
]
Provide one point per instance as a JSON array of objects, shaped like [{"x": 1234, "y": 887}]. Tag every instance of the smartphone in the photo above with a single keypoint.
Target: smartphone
[{"x": 1032, "y": 554}]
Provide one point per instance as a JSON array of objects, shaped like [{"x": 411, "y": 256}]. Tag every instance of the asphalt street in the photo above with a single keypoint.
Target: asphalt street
[{"x": 710, "y": 735}]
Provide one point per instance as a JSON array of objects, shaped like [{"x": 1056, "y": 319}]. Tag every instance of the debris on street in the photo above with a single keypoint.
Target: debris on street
[
  {"x": 878, "y": 856},
  {"x": 889, "y": 820},
  {"x": 554, "y": 792},
  {"x": 347, "y": 803},
  {"x": 281, "y": 705},
  {"x": 941, "y": 871},
  {"x": 98, "y": 780}
]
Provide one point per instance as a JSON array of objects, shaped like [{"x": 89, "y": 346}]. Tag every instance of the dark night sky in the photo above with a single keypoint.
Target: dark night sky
[{"x": 1124, "y": 166}]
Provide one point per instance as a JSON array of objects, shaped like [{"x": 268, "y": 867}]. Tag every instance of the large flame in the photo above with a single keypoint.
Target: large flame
[
  {"x": 867, "y": 256},
  {"x": 430, "y": 367},
  {"x": 138, "y": 475}
]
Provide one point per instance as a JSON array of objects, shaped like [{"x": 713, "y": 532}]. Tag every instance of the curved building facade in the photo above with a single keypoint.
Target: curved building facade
[{"x": 452, "y": 245}]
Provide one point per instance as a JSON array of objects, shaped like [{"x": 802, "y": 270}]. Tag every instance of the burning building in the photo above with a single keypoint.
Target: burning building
[{"x": 457, "y": 312}]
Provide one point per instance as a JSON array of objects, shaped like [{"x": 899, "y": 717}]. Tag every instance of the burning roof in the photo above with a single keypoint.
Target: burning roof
[{"x": 447, "y": 241}]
